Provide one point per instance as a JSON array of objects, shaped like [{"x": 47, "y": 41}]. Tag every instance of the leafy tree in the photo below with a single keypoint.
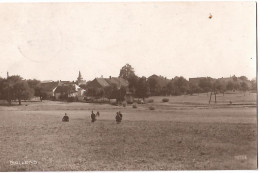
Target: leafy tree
[
  {"x": 33, "y": 83},
  {"x": 234, "y": 78},
  {"x": 178, "y": 86},
  {"x": 154, "y": 86},
  {"x": 170, "y": 87},
  {"x": 244, "y": 87},
  {"x": 230, "y": 85},
  {"x": 21, "y": 90},
  {"x": 193, "y": 88},
  {"x": 2, "y": 88},
  {"x": 127, "y": 71},
  {"x": 118, "y": 93},
  {"x": 220, "y": 86},
  {"x": 142, "y": 90},
  {"x": 36, "y": 86},
  {"x": 206, "y": 84},
  {"x": 253, "y": 85},
  {"x": 243, "y": 78},
  {"x": 133, "y": 80},
  {"x": 237, "y": 85},
  {"x": 182, "y": 85},
  {"x": 14, "y": 87}
]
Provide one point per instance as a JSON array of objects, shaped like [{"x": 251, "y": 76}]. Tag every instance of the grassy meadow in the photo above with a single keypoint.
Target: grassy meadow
[{"x": 185, "y": 133}]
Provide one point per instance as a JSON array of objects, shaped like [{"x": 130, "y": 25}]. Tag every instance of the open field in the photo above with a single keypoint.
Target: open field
[{"x": 183, "y": 134}]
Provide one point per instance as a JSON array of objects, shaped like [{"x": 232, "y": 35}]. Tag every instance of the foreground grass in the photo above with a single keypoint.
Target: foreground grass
[
  {"x": 132, "y": 145},
  {"x": 170, "y": 137}
]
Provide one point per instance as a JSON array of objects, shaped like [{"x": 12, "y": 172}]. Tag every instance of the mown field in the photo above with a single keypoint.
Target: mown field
[{"x": 185, "y": 133}]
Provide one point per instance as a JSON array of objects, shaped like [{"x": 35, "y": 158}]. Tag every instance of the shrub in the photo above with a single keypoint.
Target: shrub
[
  {"x": 150, "y": 101},
  {"x": 140, "y": 102},
  {"x": 124, "y": 104},
  {"x": 151, "y": 108},
  {"x": 165, "y": 100},
  {"x": 72, "y": 99},
  {"x": 114, "y": 103},
  {"x": 134, "y": 106}
]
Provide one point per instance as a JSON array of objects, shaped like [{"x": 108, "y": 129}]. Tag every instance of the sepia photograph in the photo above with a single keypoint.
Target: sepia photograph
[{"x": 128, "y": 86}]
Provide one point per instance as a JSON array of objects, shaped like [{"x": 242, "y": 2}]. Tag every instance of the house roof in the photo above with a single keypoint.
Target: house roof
[
  {"x": 105, "y": 82},
  {"x": 102, "y": 82},
  {"x": 49, "y": 86},
  {"x": 67, "y": 82},
  {"x": 117, "y": 81},
  {"x": 68, "y": 88},
  {"x": 65, "y": 89}
]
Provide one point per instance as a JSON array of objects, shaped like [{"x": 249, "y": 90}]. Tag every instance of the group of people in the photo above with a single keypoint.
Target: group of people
[
  {"x": 119, "y": 117},
  {"x": 93, "y": 116}
]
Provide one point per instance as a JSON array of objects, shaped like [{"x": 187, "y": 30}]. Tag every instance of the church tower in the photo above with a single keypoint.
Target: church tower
[{"x": 80, "y": 79}]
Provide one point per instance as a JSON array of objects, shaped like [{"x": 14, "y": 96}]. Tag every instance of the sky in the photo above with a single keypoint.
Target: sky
[{"x": 53, "y": 41}]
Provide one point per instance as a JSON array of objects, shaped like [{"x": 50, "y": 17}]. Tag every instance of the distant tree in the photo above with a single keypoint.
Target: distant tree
[
  {"x": 193, "y": 88},
  {"x": 243, "y": 78},
  {"x": 253, "y": 85},
  {"x": 230, "y": 85},
  {"x": 142, "y": 90},
  {"x": 154, "y": 86},
  {"x": 121, "y": 93},
  {"x": 206, "y": 84},
  {"x": 117, "y": 93},
  {"x": 37, "y": 88},
  {"x": 33, "y": 83},
  {"x": 244, "y": 87},
  {"x": 234, "y": 78},
  {"x": 181, "y": 84},
  {"x": 22, "y": 91},
  {"x": 170, "y": 88},
  {"x": 3, "y": 93},
  {"x": 15, "y": 88},
  {"x": 237, "y": 85},
  {"x": 164, "y": 91},
  {"x": 133, "y": 80},
  {"x": 220, "y": 86},
  {"x": 127, "y": 71}
]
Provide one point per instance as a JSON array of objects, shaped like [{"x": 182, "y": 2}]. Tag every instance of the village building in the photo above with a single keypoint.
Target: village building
[
  {"x": 64, "y": 91},
  {"x": 48, "y": 88},
  {"x": 102, "y": 83}
]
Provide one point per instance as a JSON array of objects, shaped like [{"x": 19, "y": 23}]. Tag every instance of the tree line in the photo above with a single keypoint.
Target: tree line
[
  {"x": 142, "y": 87},
  {"x": 17, "y": 88}
]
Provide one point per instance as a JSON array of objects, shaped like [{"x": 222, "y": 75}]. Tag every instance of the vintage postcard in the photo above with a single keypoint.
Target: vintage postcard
[{"x": 128, "y": 86}]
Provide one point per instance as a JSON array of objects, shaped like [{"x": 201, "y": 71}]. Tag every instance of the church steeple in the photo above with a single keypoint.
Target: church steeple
[{"x": 80, "y": 77}]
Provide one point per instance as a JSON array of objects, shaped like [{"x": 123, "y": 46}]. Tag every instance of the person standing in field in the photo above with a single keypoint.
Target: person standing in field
[
  {"x": 65, "y": 118},
  {"x": 118, "y": 117},
  {"x": 93, "y": 117}
]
